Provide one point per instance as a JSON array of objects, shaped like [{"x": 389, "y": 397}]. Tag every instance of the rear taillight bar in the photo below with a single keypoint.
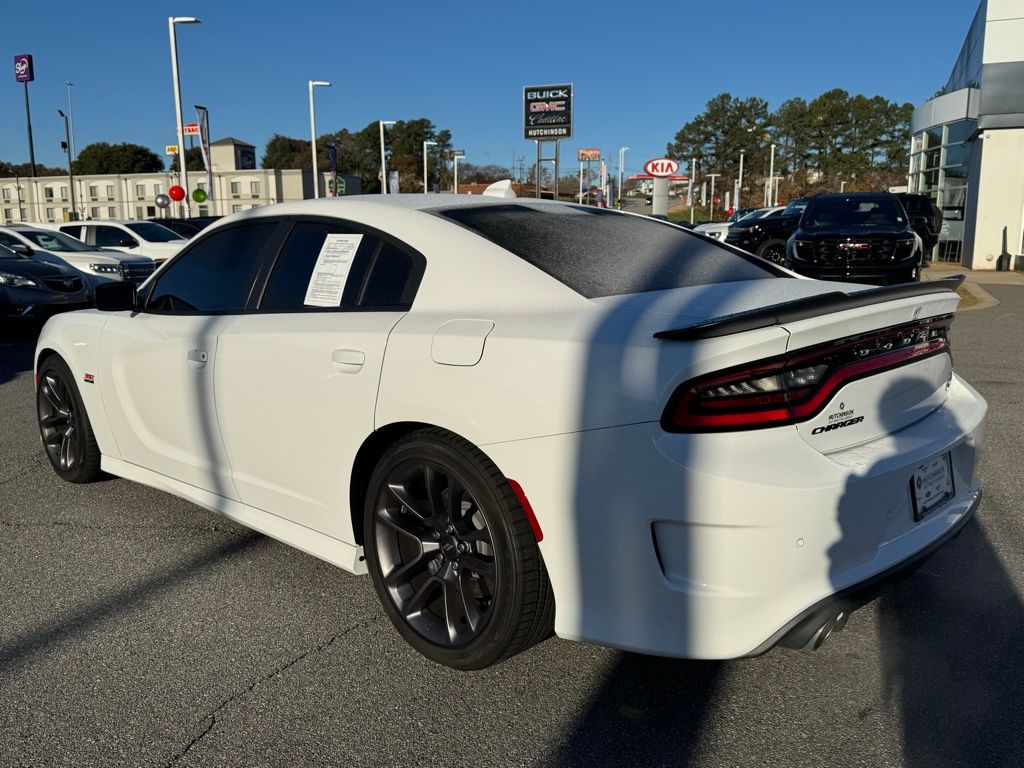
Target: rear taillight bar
[{"x": 796, "y": 386}]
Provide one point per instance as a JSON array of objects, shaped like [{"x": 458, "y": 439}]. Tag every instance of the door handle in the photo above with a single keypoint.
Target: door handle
[
  {"x": 348, "y": 360},
  {"x": 197, "y": 357}
]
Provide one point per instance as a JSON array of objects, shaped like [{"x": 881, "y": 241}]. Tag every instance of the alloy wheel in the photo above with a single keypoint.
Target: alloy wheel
[
  {"x": 435, "y": 551},
  {"x": 59, "y": 423}
]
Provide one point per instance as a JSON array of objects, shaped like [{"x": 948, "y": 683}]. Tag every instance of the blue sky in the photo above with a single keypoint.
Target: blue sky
[{"x": 640, "y": 70}]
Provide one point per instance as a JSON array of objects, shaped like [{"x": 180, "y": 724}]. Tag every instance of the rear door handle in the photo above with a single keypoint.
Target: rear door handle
[
  {"x": 348, "y": 360},
  {"x": 197, "y": 358}
]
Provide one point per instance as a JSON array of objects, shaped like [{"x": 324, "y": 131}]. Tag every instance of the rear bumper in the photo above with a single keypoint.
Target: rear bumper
[
  {"x": 806, "y": 629},
  {"x": 719, "y": 546}
]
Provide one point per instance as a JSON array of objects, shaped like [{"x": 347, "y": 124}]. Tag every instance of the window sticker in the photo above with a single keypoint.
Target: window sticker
[{"x": 327, "y": 283}]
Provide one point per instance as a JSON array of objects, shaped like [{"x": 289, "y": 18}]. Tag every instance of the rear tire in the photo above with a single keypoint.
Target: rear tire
[
  {"x": 451, "y": 553},
  {"x": 64, "y": 426},
  {"x": 773, "y": 251}
]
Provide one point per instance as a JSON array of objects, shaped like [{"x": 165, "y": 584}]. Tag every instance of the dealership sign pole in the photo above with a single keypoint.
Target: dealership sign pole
[
  {"x": 660, "y": 168},
  {"x": 25, "y": 73},
  {"x": 547, "y": 117}
]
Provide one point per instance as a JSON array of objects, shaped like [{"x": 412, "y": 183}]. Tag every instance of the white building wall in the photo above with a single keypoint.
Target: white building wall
[{"x": 995, "y": 200}]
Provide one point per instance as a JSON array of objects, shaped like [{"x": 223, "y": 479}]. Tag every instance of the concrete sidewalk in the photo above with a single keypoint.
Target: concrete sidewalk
[{"x": 972, "y": 294}]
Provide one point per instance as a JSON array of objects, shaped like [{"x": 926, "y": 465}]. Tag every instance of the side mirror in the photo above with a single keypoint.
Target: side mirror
[
  {"x": 128, "y": 242},
  {"x": 115, "y": 296},
  {"x": 21, "y": 249}
]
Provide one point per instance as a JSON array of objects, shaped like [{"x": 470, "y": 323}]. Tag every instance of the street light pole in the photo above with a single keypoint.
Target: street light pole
[
  {"x": 711, "y": 200},
  {"x": 183, "y": 172},
  {"x": 71, "y": 175},
  {"x": 456, "y": 180},
  {"x": 71, "y": 121},
  {"x": 425, "y": 145},
  {"x": 739, "y": 189},
  {"x": 622, "y": 160},
  {"x": 383, "y": 161},
  {"x": 771, "y": 174},
  {"x": 312, "y": 133}
]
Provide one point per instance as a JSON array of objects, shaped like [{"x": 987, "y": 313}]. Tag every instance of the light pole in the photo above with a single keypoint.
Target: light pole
[
  {"x": 71, "y": 121},
  {"x": 842, "y": 187},
  {"x": 71, "y": 175},
  {"x": 425, "y": 145},
  {"x": 711, "y": 200},
  {"x": 689, "y": 185},
  {"x": 778, "y": 181},
  {"x": 383, "y": 161},
  {"x": 456, "y": 179},
  {"x": 771, "y": 174},
  {"x": 622, "y": 160},
  {"x": 739, "y": 188},
  {"x": 312, "y": 133},
  {"x": 172, "y": 21}
]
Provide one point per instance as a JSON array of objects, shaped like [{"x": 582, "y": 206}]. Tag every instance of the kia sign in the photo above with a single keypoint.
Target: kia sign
[
  {"x": 23, "y": 70},
  {"x": 661, "y": 168},
  {"x": 586, "y": 155},
  {"x": 547, "y": 112}
]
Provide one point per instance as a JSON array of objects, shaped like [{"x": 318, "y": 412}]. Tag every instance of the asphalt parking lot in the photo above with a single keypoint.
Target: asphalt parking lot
[{"x": 139, "y": 630}]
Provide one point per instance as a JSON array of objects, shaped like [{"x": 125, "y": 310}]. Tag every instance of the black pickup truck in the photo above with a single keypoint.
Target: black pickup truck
[{"x": 863, "y": 237}]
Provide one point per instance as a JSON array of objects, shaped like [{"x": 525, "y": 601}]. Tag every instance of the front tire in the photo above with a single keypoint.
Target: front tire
[
  {"x": 773, "y": 251},
  {"x": 452, "y": 555},
  {"x": 64, "y": 426}
]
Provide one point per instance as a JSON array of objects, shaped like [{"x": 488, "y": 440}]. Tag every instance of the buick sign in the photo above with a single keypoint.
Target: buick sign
[
  {"x": 661, "y": 168},
  {"x": 547, "y": 112},
  {"x": 23, "y": 70}
]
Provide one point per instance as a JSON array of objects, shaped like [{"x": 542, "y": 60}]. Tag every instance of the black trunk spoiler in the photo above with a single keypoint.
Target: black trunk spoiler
[{"x": 801, "y": 309}]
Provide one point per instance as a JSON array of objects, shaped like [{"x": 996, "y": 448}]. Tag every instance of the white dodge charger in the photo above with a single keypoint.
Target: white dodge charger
[{"x": 521, "y": 417}]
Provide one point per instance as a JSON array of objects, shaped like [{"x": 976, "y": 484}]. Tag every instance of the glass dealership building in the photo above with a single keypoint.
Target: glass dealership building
[{"x": 967, "y": 147}]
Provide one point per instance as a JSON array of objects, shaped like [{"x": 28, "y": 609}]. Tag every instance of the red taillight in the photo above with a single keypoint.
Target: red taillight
[{"x": 797, "y": 386}]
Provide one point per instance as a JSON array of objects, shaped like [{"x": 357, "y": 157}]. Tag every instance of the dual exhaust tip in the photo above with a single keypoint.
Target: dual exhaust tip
[{"x": 834, "y": 623}]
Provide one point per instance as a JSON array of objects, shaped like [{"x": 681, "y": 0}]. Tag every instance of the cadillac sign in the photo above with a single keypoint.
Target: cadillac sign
[{"x": 547, "y": 112}]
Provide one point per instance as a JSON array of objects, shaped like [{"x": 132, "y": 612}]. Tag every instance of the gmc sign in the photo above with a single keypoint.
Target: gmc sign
[{"x": 547, "y": 112}]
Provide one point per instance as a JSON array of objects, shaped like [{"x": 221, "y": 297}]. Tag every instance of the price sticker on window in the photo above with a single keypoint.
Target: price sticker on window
[{"x": 327, "y": 282}]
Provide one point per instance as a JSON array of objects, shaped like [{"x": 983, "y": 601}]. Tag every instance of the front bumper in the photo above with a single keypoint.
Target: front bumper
[
  {"x": 32, "y": 303},
  {"x": 717, "y": 546},
  {"x": 862, "y": 272}
]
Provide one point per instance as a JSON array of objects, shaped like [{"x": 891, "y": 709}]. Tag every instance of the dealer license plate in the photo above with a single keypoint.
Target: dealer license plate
[{"x": 931, "y": 485}]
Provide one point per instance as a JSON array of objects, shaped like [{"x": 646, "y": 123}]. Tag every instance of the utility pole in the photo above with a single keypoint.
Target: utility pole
[{"x": 71, "y": 175}]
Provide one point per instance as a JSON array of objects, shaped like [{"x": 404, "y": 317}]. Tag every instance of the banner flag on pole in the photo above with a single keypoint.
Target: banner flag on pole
[{"x": 203, "y": 116}]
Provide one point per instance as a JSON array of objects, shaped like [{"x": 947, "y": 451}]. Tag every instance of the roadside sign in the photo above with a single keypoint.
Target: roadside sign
[
  {"x": 586, "y": 155},
  {"x": 547, "y": 112},
  {"x": 661, "y": 168},
  {"x": 171, "y": 149},
  {"x": 190, "y": 129},
  {"x": 24, "y": 72}
]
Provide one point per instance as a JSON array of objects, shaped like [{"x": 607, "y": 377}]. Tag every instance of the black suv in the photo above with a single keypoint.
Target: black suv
[
  {"x": 925, "y": 219},
  {"x": 858, "y": 236},
  {"x": 766, "y": 237}
]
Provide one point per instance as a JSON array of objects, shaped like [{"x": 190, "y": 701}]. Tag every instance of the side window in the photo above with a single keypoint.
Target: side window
[
  {"x": 108, "y": 237},
  {"x": 213, "y": 275},
  {"x": 390, "y": 282},
  {"x": 75, "y": 230},
  {"x": 379, "y": 274},
  {"x": 8, "y": 240}
]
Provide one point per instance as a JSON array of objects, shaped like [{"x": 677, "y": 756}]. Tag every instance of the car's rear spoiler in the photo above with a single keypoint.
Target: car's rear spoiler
[{"x": 801, "y": 309}]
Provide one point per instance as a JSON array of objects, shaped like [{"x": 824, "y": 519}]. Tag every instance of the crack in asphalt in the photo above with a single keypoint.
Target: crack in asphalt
[{"x": 209, "y": 721}]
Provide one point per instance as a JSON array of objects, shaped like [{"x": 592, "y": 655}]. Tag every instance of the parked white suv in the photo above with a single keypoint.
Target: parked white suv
[
  {"x": 141, "y": 238},
  {"x": 99, "y": 264},
  {"x": 719, "y": 229}
]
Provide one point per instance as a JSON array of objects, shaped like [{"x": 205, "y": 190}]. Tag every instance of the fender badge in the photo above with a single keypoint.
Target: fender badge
[{"x": 88, "y": 378}]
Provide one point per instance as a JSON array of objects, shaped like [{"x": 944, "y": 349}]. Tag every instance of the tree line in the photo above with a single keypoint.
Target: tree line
[{"x": 833, "y": 138}]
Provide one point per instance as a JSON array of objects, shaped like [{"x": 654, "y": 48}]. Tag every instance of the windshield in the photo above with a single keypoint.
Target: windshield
[
  {"x": 153, "y": 233},
  {"x": 742, "y": 213},
  {"x": 863, "y": 212},
  {"x": 57, "y": 242},
  {"x": 597, "y": 252},
  {"x": 795, "y": 207}
]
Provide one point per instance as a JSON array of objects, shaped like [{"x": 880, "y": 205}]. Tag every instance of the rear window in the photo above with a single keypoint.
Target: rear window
[{"x": 598, "y": 252}]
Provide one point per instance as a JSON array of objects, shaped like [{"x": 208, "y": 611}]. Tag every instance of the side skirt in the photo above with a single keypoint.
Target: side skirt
[{"x": 335, "y": 552}]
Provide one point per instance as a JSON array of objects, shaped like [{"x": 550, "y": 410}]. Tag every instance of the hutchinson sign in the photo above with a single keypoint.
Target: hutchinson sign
[
  {"x": 547, "y": 112},
  {"x": 661, "y": 168}
]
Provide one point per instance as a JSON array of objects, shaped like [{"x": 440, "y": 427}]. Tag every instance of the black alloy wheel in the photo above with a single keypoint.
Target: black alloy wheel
[
  {"x": 452, "y": 555},
  {"x": 435, "y": 552},
  {"x": 64, "y": 426},
  {"x": 774, "y": 252}
]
